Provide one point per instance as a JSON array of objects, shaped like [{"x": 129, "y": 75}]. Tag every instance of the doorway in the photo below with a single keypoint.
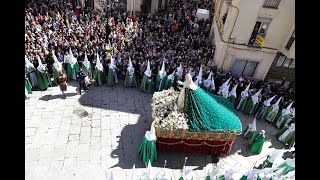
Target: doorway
[{"x": 244, "y": 67}]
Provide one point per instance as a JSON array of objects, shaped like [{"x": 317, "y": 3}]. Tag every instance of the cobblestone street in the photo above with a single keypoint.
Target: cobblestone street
[{"x": 87, "y": 136}]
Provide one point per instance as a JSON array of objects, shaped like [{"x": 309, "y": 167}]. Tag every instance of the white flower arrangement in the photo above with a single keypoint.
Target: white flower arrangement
[{"x": 165, "y": 112}]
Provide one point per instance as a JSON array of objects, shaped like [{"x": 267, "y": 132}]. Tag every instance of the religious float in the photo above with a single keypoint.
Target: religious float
[{"x": 194, "y": 120}]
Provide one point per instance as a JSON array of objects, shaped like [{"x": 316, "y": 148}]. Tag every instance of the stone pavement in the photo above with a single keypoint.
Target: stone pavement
[{"x": 87, "y": 136}]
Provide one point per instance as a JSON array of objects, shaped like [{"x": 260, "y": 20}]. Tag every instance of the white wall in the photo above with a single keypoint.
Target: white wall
[
  {"x": 281, "y": 25},
  {"x": 247, "y": 17}
]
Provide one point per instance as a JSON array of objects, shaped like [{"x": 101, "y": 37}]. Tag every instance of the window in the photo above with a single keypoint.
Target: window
[
  {"x": 271, "y": 3},
  {"x": 260, "y": 28},
  {"x": 285, "y": 62},
  {"x": 291, "y": 40}
]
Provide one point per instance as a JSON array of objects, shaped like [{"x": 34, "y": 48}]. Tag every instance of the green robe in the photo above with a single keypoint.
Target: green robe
[
  {"x": 72, "y": 72},
  {"x": 99, "y": 77},
  {"x": 43, "y": 80},
  {"x": 289, "y": 139},
  {"x": 111, "y": 81},
  {"x": 127, "y": 82},
  {"x": 249, "y": 108},
  {"x": 287, "y": 168},
  {"x": 250, "y": 135},
  {"x": 147, "y": 84},
  {"x": 263, "y": 112},
  {"x": 27, "y": 86},
  {"x": 167, "y": 84},
  {"x": 159, "y": 86},
  {"x": 271, "y": 116},
  {"x": 257, "y": 144},
  {"x": 283, "y": 120},
  {"x": 56, "y": 75},
  {"x": 241, "y": 103},
  {"x": 148, "y": 151},
  {"x": 233, "y": 100}
]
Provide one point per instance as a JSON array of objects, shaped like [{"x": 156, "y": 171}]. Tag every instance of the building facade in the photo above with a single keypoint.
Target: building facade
[{"x": 251, "y": 35}]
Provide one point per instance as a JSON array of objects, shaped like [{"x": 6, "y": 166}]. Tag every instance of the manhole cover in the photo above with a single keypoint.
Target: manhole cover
[{"x": 80, "y": 112}]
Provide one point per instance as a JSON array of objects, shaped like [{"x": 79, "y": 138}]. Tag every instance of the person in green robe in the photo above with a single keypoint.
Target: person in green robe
[
  {"x": 99, "y": 77},
  {"x": 285, "y": 117},
  {"x": 232, "y": 96},
  {"x": 72, "y": 66},
  {"x": 198, "y": 80},
  {"x": 271, "y": 159},
  {"x": 252, "y": 103},
  {"x": 251, "y": 131},
  {"x": 112, "y": 74},
  {"x": 57, "y": 67},
  {"x": 241, "y": 101},
  {"x": 225, "y": 91},
  {"x": 223, "y": 86},
  {"x": 161, "y": 77},
  {"x": 265, "y": 109},
  {"x": 148, "y": 149},
  {"x": 27, "y": 86},
  {"x": 169, "y": 81},
  {"x": 257, "y": 144},
  {"x": 207, "y": 82},
  {"x": 147, "y": 84},
  {"x": 86, "y": 66},
  {"x": 42, "y": 76},
  {"x": 271, "y": 116},
  {"x": 287, "y": 135},
  {"x": 31, "y": 73},
  {"x": 288, "y": 165},
  {"x": 130, "y": 79},
  {"x": 251, "y": 175}
]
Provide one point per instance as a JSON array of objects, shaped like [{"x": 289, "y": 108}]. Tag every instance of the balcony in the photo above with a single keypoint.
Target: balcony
[{"x": 271, "y": 4}]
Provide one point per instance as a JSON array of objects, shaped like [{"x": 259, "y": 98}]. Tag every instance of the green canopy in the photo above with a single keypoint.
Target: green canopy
[{"x": 208, "y": 112}]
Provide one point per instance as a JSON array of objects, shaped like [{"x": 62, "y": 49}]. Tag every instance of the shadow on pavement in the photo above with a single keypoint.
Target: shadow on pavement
[{"x": 135, "y": 119}]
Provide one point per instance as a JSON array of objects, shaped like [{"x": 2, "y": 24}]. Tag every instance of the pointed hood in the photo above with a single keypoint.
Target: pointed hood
[
  {"x": 171, "y": 76},
  {"x": 179, "y": 71},
  {"x": 289, "y": 107},
  {"x": 164, "y": 173},
  {"x": 276, "y": 154},
  {"x": 133, "y": 175},
  {"x": 225, "y": 84},
  {"x": 234, "y": 91},
  {"x": 255, "y": 97},
  {"x": 163, "y": 72},
  {"x": 40, "y": 67},
  {"x": 148, "y": 71},
  {"x": 268, "y": 101},
  {"x": 148, "y": 174},
  {"x": 180, "y": 68},
  {"x": 225, "y": 91},
  {"x": 207, "y": 82},
  {"x": 112, "y": 63},
  {"x": 213, "y": 86},
  {"x": 199, "y": 77},
  {"x": 151, "y": 135},
  {"x": 86, "y": 62},
  {"x": 190, "y": 72},
  {"x": 245, "y": 93},
  {"x": 57, "y": 65},
  {"x": 98, "y": 63},
  {"x": 28, "y": 64},
  {"x": 253, "y": 125},
  {"x": 130, "y": 66},
  {"x": 277, "y": 103},
  {"x": 72, "y": 59}
]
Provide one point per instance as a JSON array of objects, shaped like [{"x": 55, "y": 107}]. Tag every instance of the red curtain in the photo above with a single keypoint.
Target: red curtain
[{"x": 194, "y": 146}]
